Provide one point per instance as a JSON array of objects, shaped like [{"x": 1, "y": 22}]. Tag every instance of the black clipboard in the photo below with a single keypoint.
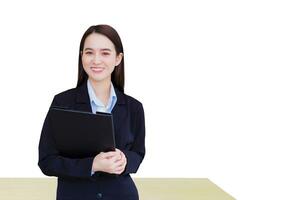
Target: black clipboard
[{"x": 79, "y": 134}]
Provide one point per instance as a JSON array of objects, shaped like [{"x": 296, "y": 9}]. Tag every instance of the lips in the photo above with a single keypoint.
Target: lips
[{"x": 97, "y": 69}]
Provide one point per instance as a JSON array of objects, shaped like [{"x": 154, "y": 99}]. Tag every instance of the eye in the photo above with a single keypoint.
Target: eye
[
  {"x": 88, "y": 52},
  {"x": 105, "y": 53}
]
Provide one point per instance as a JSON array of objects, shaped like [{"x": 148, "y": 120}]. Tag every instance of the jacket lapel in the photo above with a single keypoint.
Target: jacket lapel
[
  {"x": 119, "y": 111},
  {"x": 83, "y": 99},
  {"x": 119, "y": 114}
]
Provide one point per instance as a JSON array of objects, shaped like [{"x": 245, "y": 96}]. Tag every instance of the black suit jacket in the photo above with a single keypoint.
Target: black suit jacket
[{"x": 74, "y": 175}]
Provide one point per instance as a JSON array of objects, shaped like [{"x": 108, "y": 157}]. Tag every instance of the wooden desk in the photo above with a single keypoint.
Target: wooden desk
[{"x": 149, "y": 189}]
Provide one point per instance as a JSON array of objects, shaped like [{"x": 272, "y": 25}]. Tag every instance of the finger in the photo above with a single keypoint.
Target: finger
[
  {"x": 119, "y": 169},
  {"x": 114, "y": 168},
  {"x": 124, "y": 159},
  {"x": 123, "y": 155},
  {"x": 120, "y": 166},
  {"x": 119, "y": 151},
  {"x": 109, "y": 154},
  {"x": 116, "y": 159}
]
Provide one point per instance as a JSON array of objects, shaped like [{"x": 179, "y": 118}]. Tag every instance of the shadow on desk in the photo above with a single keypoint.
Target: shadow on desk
[{"x": 149, "y": 189}]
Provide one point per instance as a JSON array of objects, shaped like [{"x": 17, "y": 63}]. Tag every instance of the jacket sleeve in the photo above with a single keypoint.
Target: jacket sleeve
[
  {"x": 136, "y": 153},
  {"x": 52, "y": 164}
]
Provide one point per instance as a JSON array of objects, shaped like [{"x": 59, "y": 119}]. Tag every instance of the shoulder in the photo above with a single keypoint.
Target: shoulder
[
  {"x": 67, "y": 94},
  {"x": 65, "y": 97},
  {"x": 128, "y": 99},
  {"x": 131, "y": 102},
  {"x": 135, "y": 107}
]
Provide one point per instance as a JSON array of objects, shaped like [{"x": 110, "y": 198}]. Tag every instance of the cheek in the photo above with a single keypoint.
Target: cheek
[
  {"x": 112, "y": 62},
  {"x": 112, "y": 69},
  {"x": 85, "y": 61}
]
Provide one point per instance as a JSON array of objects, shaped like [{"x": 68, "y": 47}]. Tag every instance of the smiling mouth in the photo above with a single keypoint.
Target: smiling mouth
[{"x": 97, "y": 69}]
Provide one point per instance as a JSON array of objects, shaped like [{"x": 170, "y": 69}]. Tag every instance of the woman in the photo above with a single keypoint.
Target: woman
[{"x": 100, "y": 87}]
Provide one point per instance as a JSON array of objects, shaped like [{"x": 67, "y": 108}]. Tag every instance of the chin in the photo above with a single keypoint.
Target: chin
[{"x": 98, "y": 78}]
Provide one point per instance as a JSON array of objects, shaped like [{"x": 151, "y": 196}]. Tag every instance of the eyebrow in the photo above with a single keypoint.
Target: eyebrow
[{"x": 105, "y": 49}]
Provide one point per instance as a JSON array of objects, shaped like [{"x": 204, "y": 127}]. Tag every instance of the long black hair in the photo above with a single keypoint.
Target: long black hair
[{"x": 117, "y": 76}]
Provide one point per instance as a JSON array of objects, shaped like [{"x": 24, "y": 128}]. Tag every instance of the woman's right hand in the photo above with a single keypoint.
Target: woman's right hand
[{"x": 109, "y": 162}]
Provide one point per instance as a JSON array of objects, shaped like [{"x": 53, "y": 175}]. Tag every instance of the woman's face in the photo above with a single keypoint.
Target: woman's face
[{"x": 99, "y": 57}]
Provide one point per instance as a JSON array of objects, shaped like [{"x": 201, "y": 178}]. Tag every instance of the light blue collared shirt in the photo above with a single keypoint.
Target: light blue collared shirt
[{"x": 96, "y": 104}]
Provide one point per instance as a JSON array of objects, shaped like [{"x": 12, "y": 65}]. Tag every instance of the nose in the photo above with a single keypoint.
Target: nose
[{"x": 97, "y": 58}]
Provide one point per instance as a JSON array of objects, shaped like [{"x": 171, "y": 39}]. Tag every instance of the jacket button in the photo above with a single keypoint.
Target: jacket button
[{"x": 99, "y": 196}]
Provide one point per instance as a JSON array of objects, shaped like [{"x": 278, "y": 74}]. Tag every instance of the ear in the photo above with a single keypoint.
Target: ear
[{"x": 119, "y": 58}]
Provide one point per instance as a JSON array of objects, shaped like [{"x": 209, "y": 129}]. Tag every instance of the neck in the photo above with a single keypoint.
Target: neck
[{"x": 102, "y": 89}]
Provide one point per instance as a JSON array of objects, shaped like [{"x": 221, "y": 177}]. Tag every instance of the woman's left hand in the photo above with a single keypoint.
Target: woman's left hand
[{"x": 121, "y": 162}]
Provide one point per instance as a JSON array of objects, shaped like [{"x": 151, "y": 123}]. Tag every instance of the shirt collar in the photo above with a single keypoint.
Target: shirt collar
[{"x": 95, "y": 100}]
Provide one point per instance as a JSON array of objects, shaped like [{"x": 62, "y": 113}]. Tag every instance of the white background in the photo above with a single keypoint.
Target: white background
[{"x": 219, "y": 81}]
